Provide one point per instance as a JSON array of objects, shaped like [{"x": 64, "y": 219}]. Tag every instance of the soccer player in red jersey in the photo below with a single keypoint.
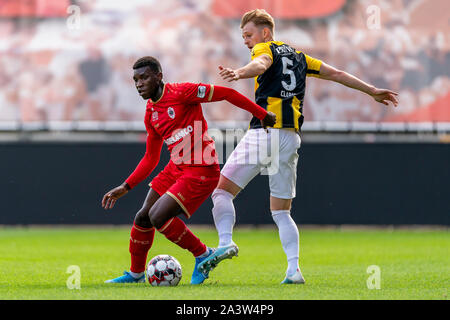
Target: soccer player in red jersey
[{"x": 174, "y": 116}]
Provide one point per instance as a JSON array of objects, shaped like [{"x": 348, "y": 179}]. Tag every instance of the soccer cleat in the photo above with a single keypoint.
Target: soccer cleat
[
  {"x": 221, "y": 253},
  {"x": 126, "y": 278},
  {"x": 296, "y": 278},
  {"x": 197, "y": 276}
]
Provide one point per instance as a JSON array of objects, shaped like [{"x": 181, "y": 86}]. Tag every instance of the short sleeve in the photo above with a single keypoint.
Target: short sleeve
[
  {"x": 313, "y": 64},
  {"x": 197, "y": 92},
  {"x": 260, "y": 49}
]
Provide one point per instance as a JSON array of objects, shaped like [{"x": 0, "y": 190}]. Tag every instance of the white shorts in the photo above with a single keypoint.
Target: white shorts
[{"x": 273, "y": 153}]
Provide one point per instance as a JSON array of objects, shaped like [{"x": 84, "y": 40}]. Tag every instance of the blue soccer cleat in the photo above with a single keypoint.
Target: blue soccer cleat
[
  {"x": 296, "y": 278},
  {"x": 221, "y": 253},
  {"x": 127, "y": 278},
  {"x": 197, "y": 276}
]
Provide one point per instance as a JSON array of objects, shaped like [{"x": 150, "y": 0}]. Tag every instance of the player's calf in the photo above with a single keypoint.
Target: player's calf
[{"x": 142, "y": 219}]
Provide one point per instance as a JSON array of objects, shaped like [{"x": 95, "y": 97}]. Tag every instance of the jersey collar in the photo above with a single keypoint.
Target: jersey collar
[{"x": 162, "y": 95}]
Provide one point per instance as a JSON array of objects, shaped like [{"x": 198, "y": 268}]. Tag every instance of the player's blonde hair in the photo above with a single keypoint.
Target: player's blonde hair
[{"x": 259, "y": 17}]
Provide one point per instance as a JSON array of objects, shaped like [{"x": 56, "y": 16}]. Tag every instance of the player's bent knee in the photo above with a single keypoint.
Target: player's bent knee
[
  {"x": 157, "y": 219},
  {"x": 142, "y": 219},
  {"x": 163, "y": 210},
  {"x": 228, "y": 186}
]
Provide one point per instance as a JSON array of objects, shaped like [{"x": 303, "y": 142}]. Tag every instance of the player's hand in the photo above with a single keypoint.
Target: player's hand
[
  {"x": 269, "y": 120},
  {"x": 228, "y": 74},
  {"x": 384, "y": 96},
  {"x": 110, "y": 198}
]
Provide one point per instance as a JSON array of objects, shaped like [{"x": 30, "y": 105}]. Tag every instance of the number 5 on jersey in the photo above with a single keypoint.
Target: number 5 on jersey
[{"x": 293, "y": 83}]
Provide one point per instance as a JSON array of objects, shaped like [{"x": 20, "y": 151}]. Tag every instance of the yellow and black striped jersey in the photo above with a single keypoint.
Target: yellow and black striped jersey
[{"x": 281, "y": 88}]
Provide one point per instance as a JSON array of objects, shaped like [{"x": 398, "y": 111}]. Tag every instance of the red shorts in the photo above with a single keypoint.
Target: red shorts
[{"x": 189, "y": 186}]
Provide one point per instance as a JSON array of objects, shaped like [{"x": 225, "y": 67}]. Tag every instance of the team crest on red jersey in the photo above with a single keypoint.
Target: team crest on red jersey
[
  {"x": 171, "y": 112},
  {"x": 155, "y": 116}
]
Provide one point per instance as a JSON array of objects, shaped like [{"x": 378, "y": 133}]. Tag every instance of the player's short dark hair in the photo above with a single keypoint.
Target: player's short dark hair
[{"x": 148, "y": 61}]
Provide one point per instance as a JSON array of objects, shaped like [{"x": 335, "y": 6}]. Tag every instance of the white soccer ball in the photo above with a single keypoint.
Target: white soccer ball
[{"x": 164, "y": 270}]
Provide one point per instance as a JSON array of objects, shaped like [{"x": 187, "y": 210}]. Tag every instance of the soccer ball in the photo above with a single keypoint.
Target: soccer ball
[{"x": 163, "y": 270}]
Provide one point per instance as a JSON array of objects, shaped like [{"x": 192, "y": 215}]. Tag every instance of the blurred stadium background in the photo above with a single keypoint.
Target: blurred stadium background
[{"x": 71, "y": 122}]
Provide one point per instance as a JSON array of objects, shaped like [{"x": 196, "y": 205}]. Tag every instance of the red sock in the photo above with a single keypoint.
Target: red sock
[
  {"x": 176, "y": 231},
  {"x": 141, "y": 241}
]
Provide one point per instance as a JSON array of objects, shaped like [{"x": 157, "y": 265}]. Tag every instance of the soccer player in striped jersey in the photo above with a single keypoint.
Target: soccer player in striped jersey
[
  {"x": 280, "y": 72},
  {"x": 174, "y": 116}
]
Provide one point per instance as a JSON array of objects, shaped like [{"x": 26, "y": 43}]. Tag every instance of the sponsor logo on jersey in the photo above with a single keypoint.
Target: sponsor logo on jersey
[
  {"x": 179, "y": 135},
  {"x": 201, "y": 92},
  {"x": 284, "y": 49},
  {"x": 171, "y": 112}
]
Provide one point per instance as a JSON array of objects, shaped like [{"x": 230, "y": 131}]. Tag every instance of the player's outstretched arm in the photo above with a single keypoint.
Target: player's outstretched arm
[
  {"x": 383, "y": 96},
  {"x": 142, "y": 171},
  {"x": 256, "y": 67}
]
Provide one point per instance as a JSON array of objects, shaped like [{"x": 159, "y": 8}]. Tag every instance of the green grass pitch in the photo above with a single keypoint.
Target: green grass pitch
[{"x": 412, "y": 264}]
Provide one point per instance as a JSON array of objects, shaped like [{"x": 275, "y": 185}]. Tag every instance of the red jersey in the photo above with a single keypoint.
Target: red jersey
[{"x": 177, "y": 119}]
